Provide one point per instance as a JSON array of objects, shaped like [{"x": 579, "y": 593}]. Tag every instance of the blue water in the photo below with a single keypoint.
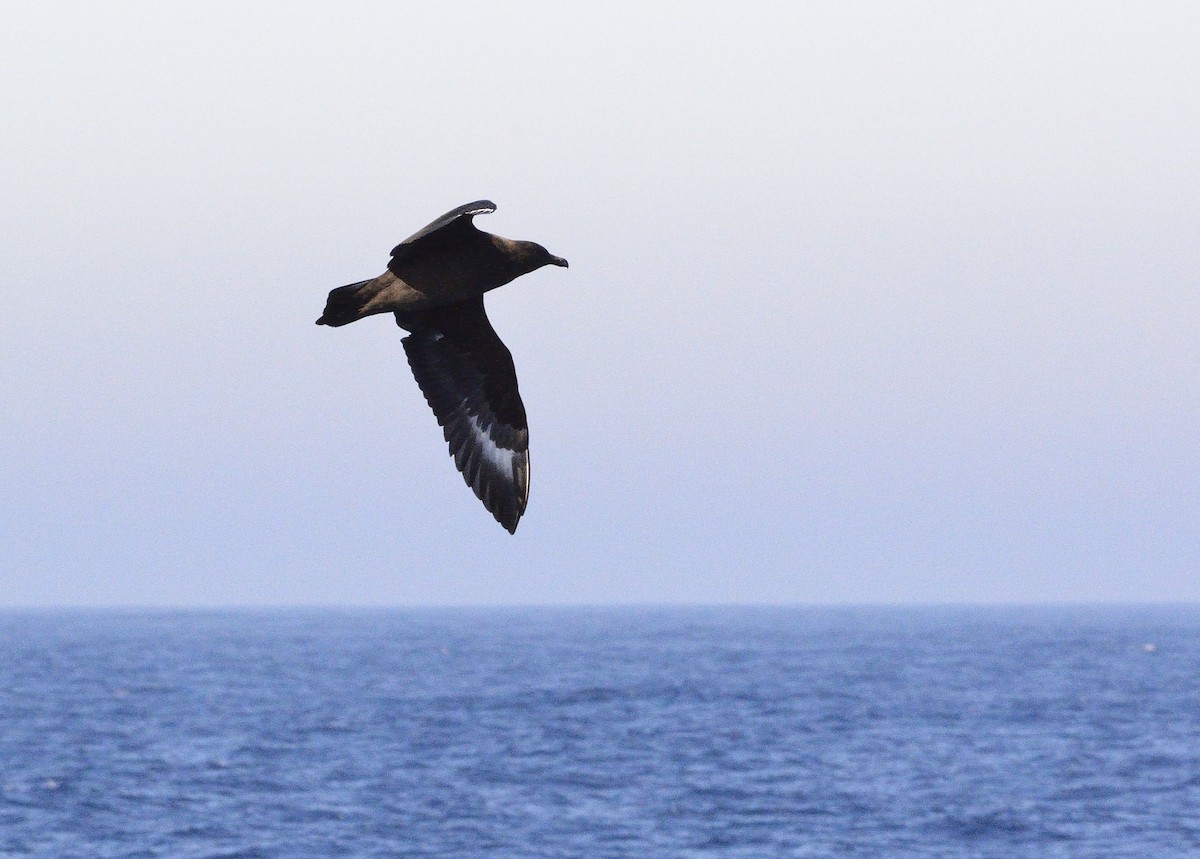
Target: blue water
[{"x": 601, "y": 733}]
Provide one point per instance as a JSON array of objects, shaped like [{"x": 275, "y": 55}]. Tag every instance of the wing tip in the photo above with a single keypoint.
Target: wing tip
[
  {"x": 479, "y": 207},
  {"x": 504, "y": 500}
]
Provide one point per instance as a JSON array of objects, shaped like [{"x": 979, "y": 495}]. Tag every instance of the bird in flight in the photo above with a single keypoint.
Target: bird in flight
[{"x": 434, "y": 285}]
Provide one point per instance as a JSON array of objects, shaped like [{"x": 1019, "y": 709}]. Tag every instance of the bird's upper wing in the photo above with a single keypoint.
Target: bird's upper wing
[
  {"x": 449, "y": 228},
  {"x": 468, "y": 378}
]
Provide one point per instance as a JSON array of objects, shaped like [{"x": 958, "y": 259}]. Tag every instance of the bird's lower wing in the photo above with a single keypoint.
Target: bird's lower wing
[{"x": 467, "y": 376}]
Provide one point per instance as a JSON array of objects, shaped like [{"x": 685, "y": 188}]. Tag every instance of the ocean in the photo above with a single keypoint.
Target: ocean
[{"x": 593, "y": 733}]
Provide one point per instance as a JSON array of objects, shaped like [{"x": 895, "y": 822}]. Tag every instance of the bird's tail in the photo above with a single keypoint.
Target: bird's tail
[{"x": 345, "y": 304}]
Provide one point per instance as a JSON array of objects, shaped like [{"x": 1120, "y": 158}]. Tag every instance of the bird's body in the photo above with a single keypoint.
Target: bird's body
[{"x": 434, "y": 285}]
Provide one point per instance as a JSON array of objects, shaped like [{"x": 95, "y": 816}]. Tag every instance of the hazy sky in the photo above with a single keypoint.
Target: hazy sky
[{"x": 874, "y": 302}]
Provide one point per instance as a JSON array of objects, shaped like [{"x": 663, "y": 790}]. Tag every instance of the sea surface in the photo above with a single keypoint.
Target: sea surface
[{"x": 592, "y": 733}]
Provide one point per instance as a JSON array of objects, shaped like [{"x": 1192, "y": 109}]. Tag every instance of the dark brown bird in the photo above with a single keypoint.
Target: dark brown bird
[{"x": 435, "y": 284}]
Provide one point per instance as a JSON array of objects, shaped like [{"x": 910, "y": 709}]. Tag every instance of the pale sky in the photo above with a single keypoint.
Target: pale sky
[{"x": 868, "y": 302}]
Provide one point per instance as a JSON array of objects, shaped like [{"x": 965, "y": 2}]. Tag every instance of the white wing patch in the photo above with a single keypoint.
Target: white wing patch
[{"x": 501, "y": 458}]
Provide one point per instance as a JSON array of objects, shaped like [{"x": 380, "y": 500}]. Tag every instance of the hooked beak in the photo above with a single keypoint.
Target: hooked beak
[{"x": 559, "y": 261}]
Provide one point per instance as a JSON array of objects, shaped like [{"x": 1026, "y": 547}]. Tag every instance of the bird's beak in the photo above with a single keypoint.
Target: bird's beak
[{"x": 559, "y": 261}]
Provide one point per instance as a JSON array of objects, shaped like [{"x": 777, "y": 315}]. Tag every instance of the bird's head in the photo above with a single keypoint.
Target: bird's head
[{"x": 534, "y": 256}]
